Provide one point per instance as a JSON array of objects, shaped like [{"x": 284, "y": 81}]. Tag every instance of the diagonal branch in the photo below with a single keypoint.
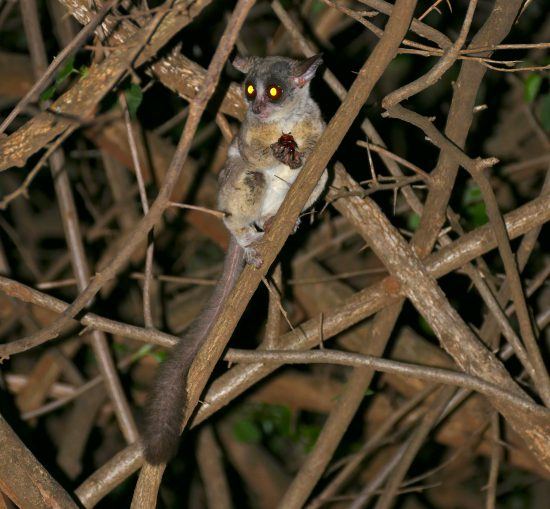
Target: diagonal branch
[
  {"x": 68, "y": 50},
  {"x": 296, "y": 198},
  {"x": 381, "y": 327},
  {"x": 145, "y": 494},
  {"x": 174, "y": 71},
  {"x": 78, "y": 104},
  {"x": 24, "y": 479},
  {"x": 476, "y": 168},
  {"x": 455, "y": 336}
]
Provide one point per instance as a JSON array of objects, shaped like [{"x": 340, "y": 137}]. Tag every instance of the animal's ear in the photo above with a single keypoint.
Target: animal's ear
[
  {"x": 243, "y": 64},
  {"x": 303, "y": 71}
]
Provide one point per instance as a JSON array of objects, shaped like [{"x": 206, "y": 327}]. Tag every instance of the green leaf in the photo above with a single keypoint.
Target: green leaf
[
  {"x": 317, "y": 6},
  {"x": 425, "y": 327},
  {"x": 247, "y": 431},
  {"x": 142, "y": 352},
  {"x": 544, "y": 112},
  {"x": 471, "y": 195},
  {"x": 134, "y": 96},
  {"x": 277, "y": 419},
  {"x": 277, "y": 444},
  {"x": 120, "y": 347},
  {"x": 473, "y": 207},
  {"x": 47, "y": 94},
  {"x": 160, "y": 355},
  {"x": 413, "y": 221},
  {"x": 531, "y": 87},
  {"x": 307, "y": 435},
  {"x": 67, "y": 69},
  {"x": 84, "y": 71},
  {"x": 477, "y": 214}
]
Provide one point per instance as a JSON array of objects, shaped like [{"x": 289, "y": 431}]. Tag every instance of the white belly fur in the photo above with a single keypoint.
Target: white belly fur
[{"x": 278, "y": 181}]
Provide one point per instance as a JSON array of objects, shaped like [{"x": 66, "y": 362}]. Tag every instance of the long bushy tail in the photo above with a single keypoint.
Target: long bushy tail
[{"x": 167, "y": 399}]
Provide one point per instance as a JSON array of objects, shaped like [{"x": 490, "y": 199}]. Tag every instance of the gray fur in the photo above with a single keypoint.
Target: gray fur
[
  {"x": 167, "y": 399},
  {"x": 250, "y": 203}
]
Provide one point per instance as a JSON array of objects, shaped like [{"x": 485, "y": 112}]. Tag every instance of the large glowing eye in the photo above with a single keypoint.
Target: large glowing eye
[
  {"x": 250, "y": 91},
  {"x": 274, "y": 92}
]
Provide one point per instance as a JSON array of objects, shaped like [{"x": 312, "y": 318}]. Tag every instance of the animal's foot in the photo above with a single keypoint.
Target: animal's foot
[
  {"x": 285, "y": 151},
  {"x": 246, "y": 240},
  {"x": 252, "y": 257}
]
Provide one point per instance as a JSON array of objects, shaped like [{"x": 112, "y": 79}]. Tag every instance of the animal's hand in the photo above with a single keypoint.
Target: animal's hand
[
  {"x": 285, "y": 151},
  {"x": 251, "y": 254},
  {"x": 252, "y": 257}
]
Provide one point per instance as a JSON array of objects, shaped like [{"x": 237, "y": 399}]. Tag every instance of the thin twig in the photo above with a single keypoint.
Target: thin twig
[
  {"x": 432, "y": 7},
  {"x": 172, "y": 122},
  {"x": 425, "y": 373},
  {"x": 527, "y": 332},
  {"x": 435, "y": 73},
  {"x": 273, "y": 324},
  {"x": 496, "y": 457},
  {"x": 395, "y": 157},
  {"x": 147, "y": 313},
  {"x": 206, "y": 210},
  {"x": 415, "y": 441}
]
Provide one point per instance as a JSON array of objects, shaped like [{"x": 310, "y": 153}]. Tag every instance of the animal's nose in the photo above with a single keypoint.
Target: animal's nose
[{"x": 257, "y": 108}]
